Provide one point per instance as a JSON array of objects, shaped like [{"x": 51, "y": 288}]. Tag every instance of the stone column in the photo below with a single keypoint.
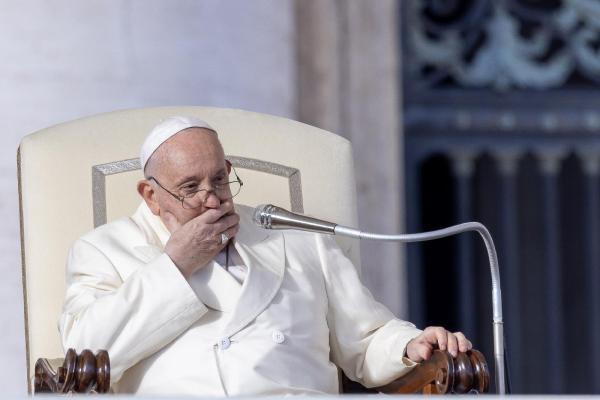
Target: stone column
[
  {"x": 349, "y": 83},
  {"x": 317, "y": 42},
  {"x": 463, "y": 165},
  {"x": 550, "y": 164},
  {"x": 508, "y": 164},
  {"x": 591, "y": 167}
]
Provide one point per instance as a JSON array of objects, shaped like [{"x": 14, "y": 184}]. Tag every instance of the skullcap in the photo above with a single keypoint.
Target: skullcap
[{"x": 164, "y": 131}]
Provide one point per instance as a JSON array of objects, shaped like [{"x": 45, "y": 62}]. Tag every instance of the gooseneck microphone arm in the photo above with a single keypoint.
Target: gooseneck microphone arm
[
  {"x": 272, "y": 217},
  {"x": 494, "y": 271}
]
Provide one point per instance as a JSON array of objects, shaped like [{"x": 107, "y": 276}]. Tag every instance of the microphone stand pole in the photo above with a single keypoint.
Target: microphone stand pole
[{"x": 495, "y": 273}]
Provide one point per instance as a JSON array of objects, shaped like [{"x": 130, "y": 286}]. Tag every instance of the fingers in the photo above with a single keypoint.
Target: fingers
[
  {"x": 425, "y": 351},
  {"x": 444, "y": 340},
  {"x": 225, "y": 223},
  {"x": 212, "y": 215},
  {"x": 418, "y": 349},
  {"x": 452, "y": 344},
  {"x": 193, "y": 244},
  {"x": 210, "y": 233},
  {"x": 463, "y": 343},
  {"x": 231, "y": 232},
  {"x": 437, "y": 336}
]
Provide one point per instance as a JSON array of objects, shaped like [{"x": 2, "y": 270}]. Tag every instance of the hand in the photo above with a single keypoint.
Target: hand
[
  {"x": 194, "y": 244},
  {"x": 421, "y": 347}
]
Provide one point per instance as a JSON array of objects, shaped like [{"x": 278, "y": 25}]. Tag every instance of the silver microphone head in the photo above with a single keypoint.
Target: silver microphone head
[
  {"x": 262, "y": 215},
  {"x": 269, "y": 216}
]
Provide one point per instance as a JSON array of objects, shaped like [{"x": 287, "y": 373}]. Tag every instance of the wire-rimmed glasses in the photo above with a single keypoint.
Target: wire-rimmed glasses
[{"x": 195, "y": 198}]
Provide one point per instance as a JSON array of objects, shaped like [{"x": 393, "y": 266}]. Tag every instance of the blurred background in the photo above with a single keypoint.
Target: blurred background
[{"x": 457, "y": 110}]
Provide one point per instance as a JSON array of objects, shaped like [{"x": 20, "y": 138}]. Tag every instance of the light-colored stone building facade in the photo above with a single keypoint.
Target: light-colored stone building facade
[{"x": 330, "y": 63}]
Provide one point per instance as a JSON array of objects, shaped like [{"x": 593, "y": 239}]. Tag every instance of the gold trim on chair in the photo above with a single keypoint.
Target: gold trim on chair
[{"x": 99, "y": 173}]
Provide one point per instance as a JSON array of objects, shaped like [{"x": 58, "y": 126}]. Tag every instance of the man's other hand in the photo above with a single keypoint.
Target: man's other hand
[{"x": 436, "y": 337}]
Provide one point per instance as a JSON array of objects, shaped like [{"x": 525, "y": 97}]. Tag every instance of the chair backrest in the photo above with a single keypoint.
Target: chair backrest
[{"x": 81, "y": 174}]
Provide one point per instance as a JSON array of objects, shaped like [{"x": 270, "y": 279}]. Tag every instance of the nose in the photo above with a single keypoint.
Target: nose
[{"x": 212, "y": 201}]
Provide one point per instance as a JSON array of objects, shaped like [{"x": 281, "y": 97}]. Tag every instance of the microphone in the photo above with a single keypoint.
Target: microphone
[{"x": 269, "y": 216}]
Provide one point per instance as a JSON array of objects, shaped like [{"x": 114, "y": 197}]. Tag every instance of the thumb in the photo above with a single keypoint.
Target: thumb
[
  {"x": 419, "y": 350},
  {"x": 425, "y": 352}
]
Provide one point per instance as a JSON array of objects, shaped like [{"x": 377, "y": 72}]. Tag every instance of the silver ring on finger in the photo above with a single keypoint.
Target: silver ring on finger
[{"x": 224, "y": 238}]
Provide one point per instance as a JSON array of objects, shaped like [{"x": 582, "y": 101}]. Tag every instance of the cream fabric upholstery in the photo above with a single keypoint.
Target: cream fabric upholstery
[{"x": 56, "y": 189}]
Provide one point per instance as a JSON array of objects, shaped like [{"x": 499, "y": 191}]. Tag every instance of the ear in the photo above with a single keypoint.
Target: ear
[
  {"x": 147, "y": 192},
  {"x": 228, "y": 164}
]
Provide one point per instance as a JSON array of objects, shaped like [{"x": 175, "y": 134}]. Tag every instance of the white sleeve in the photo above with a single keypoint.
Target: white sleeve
[
  {"x": 366, "y": 340},
  {"x": 131, "y": 319}
]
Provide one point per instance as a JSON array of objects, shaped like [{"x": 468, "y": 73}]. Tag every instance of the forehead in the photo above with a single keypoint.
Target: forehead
[{"x": 192, "y": 149}]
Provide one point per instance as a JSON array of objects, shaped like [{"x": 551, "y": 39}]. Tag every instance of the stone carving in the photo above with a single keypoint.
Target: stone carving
[{"x": 503, "y": 44}]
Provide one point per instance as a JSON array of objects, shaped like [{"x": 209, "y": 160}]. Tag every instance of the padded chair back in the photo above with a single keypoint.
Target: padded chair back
[{"x": 81, "y": 174}]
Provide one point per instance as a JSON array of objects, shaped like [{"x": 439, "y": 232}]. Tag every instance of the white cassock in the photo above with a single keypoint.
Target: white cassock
[{"x": 300, "y": 311}]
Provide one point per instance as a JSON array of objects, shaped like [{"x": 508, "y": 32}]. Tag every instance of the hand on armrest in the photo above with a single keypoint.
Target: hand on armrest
[{"x": 442, "y": 373}]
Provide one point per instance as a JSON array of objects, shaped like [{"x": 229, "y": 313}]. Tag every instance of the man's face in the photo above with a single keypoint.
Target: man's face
[{"x": 190, "y": 160}]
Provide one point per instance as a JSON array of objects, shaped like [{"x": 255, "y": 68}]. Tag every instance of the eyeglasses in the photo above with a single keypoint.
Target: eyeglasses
[{"x": 193, "y": 198}]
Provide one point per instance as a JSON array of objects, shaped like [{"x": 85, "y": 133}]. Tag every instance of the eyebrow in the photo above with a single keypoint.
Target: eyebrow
[{"x": 193, "y": 177}]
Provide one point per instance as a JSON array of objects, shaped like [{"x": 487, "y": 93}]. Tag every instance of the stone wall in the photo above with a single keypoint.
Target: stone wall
[
  {"x": 330, "y": 63},
  {"x": 65, "y": 59},
  {"x": 349, "y": 83}
]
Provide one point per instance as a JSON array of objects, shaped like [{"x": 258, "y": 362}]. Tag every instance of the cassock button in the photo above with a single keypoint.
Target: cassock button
[
  {"x": 224, "y": 343},
  {"x": 278, "y": 337}
]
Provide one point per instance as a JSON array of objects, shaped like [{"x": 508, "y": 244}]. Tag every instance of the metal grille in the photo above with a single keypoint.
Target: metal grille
[
  {"x": 543, "y": 210},
  {"x": 502, "y": 125}
]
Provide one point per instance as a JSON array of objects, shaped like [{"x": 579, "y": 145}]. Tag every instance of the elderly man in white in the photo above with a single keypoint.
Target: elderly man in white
[{"x": 189, "y": 297}]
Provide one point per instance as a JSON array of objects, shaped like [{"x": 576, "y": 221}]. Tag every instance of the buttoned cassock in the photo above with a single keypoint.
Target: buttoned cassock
[{"x": 300, "y": 311}]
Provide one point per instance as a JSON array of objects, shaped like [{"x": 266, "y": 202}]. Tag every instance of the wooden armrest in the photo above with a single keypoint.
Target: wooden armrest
[
  {"x": 82, "y": 373},
  {"x": 442, "y": 374}
]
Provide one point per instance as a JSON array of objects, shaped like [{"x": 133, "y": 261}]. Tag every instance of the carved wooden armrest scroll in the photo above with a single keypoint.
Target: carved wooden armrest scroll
[
  {"x": 83, "y": 373},
  {"x": 443, "y": 374}
]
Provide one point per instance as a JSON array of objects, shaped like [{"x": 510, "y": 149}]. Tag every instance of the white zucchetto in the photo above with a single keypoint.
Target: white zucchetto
[{"x": 165, "y": 130}]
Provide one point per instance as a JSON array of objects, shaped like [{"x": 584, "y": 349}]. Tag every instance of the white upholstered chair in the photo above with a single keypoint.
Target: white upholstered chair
[{"x": 81, "y": 174}]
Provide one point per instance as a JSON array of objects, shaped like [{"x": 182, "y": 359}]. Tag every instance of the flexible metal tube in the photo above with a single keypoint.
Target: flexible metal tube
[{"x": 494, "y": 271}]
